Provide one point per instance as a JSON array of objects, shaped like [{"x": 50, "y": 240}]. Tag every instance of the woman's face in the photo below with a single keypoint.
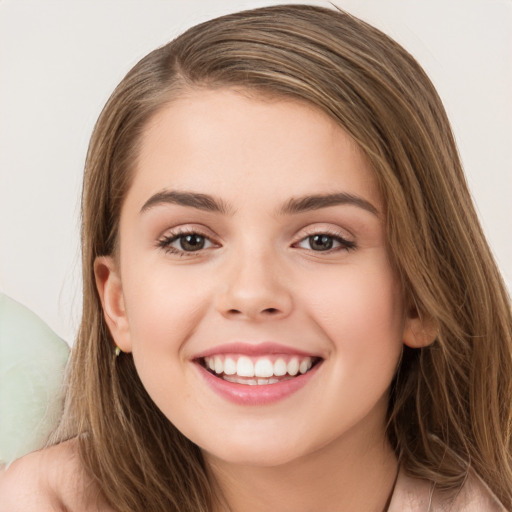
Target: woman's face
[{"x": 252, "y": 242}]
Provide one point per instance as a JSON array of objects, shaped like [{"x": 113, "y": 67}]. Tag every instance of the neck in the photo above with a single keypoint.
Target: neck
[{"x": 354, "y": 472}]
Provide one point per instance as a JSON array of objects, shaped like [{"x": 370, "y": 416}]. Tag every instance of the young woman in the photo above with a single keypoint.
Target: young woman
[{"x": 288, "y": 301}]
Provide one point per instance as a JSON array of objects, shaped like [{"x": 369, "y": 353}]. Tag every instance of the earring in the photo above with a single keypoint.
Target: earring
[{"x": 117, "y": 351}]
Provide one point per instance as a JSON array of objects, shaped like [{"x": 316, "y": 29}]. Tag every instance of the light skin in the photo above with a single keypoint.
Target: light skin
[
  {"x": 280, "y": 172},
  {"x": 259, "y": 275},
  {"x": 50, "y": 479}
]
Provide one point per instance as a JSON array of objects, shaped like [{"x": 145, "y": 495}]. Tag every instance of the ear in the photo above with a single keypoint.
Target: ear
[
  {"x": 110, "y": 290},
  {"x": 419, "y": 331}
]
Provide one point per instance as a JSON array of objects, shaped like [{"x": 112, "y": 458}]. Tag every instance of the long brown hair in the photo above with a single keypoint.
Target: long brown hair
[{"x": 449, "y": 406}]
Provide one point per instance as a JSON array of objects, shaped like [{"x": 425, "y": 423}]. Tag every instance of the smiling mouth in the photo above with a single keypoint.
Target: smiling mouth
[{"x": 258, "y": 371}]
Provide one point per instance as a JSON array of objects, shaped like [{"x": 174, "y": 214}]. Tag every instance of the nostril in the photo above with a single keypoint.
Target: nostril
[{"x": 270, "y": 310}]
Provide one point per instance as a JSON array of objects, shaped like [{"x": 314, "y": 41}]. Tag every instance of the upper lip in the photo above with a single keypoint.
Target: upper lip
[{"x": 253, "y": 349}]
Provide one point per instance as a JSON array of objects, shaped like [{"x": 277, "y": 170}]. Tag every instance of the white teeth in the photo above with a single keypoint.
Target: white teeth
[
  {"x": 244, "y": 367},
  {"x": 268, "y": 381},
  {"x": 250, "y": 382},
  {"x": 280, "y": 368},
  {"x": 229, "y": 366},
  {"x": 263, "y": 368},
  {"x": 305, "y": 365},
  {"x": 293, "y": 366}
]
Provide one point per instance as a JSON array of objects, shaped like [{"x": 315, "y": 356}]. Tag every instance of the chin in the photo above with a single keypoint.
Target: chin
[{"x": 258, "y": 454}]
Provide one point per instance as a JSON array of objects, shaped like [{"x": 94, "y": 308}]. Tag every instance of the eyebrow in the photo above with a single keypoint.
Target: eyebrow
[
  {"x": 294, "y": 205},
  {"x": 194, "y": 200},
  {"x": 316, "y": 202}
]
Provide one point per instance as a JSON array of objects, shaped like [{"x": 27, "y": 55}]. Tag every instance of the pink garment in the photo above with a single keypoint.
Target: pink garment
[{"x": 416, "y": 495}]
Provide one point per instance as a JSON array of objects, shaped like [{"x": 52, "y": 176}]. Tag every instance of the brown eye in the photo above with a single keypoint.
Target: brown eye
[
  {"x": 324, "y": 242},
  {"x": 321, "y": 242},
  {"x": 192, "y": 242},
  {"x": 183, "y": 243}
]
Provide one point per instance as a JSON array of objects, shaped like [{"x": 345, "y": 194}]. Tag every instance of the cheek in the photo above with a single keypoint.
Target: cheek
[
  {"x": 162, "y": 309},
  {"x": 363, "y": 319},
  {"x": 363, "y": 314}
]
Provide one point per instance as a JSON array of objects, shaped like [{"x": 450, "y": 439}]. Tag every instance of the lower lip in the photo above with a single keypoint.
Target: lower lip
[{"x": 244, "y": 394}]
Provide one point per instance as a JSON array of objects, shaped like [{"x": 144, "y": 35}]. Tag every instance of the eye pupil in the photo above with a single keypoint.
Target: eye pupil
[
  {"x": 192, "y": 242},
  {"x": 321, "y": 242}
]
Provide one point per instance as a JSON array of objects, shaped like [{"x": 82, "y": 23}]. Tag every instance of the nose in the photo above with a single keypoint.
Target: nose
[{"x": 254, "y": 288}]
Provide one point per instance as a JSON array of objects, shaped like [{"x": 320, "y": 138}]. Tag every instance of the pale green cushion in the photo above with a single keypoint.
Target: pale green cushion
[{"x": 32, "y": 361}]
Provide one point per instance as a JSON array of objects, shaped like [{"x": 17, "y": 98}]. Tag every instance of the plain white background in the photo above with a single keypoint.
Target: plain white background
[{"x": 59, "y": 61}]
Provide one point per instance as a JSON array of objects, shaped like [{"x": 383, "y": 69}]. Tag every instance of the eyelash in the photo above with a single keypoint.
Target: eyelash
[
  {"x": 345, "y": 245},
  {"x": 166, "y": 241}
]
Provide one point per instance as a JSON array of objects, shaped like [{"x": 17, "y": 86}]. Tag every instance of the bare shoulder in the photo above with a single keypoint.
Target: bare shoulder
[
  {"x": 25, "y": 485},
  {"x": 50, "y": 479}
]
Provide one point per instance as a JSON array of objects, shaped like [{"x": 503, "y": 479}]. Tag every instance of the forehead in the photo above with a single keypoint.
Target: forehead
[{"x": 231, "y": 143}]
